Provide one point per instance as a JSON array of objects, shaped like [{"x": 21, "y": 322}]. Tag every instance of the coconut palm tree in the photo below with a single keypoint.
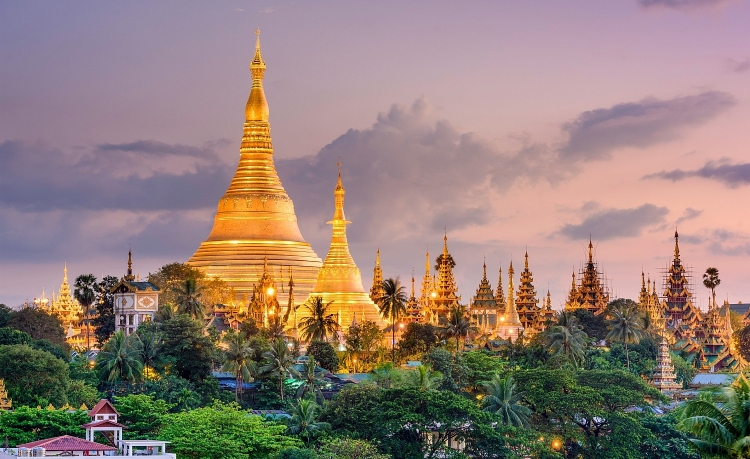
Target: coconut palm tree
[
  {"x": 189, "y": 299},
  {"x": 166, "y": 312},
  {"x": 276, "y": 328},
  {"x": 626, "y": 326},
  {"x": 568, "y": 341},
  {"x": 148, "y": 342},
  {"x": 720, "y": 425},
  {"x": 423, "y": 377},
  {"x": 84, "y": 291},
  {"x": 457, "y": 324},
  {"x": 392, "y": 306},
  {"x": 318, "y": 325},
  {"x": 304, "y": 420},
  {"x": 118, "y": 359},
  {"x": 711, "y": 281},
  {"x": 239, "y": 361},
  {"x": 312, "y": 381},
  {"x": 503, "y": 400},
  {"x": 278, "y": 362}
]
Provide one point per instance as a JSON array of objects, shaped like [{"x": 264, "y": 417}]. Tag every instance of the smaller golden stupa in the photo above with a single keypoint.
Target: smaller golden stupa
[
  {"x": 339, "y": 279},
  {"x": 5, "y": 402}
]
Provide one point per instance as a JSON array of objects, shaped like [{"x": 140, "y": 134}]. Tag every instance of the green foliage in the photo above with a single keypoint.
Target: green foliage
[
  {"x": 39, "y": 324},
  {"x": 104, "y": 321},
  {"x": 118, "y": 359},
  {"x": 503, "y": 400},
  {"x": 482, "y": 366},
  {"x": 278, "y": 364},
  {"x": 143, "y": 415},
  {"x": 626, "y": 324},
  {"x": 27, "y": 424},
  {"x": 190, "y": 351},
  {"x": 684, "y": 370},
  {"x": 81, "y": 370},
  {"x": 304, "y": 422},
  {"x": 567, "y": 341},
  {"x": 189, "y": 299},
  {"x": 5, "y": 312},
  {"x": 348, "y": 448},
  {"x": 665, "y": 441},
  {"x": 79, "y": 392},
  {"x": 457, "y": 325},
  {"x": 455, "y": 373},
  {"x": 10, "y": 336},
  {"x": 361, "y": 341},
  {"x": 223, "y": 431},
  {"x": 417, "y": 339},
  {"x": 325, "y": 355},
  {"x": 594, "y": 326},
  {"x": 85, "y": 289},
  {"x": 169, "y": 278},
  {"x": 296, "y": 453},
  {"x": 32, "y": 376}
]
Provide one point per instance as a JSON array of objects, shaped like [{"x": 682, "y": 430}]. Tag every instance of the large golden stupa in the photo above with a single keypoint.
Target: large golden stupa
[
  {"x": 255, "y": 218},
  {"x": 339, "y": 280}
]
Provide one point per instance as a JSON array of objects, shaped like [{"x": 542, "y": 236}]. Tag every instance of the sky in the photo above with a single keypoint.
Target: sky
[{"x": 515, "y": 126}]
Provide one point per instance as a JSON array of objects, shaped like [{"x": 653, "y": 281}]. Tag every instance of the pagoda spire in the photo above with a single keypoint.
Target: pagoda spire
[
  {"x": 257, "y": 106},
  {"x": 376, "y": 291},
  {"x": 509, "y": 327},
  {"x": 129, "y": 276},
  {"x": 499, "y": 294},
  {"x": 676, "y": 246}
]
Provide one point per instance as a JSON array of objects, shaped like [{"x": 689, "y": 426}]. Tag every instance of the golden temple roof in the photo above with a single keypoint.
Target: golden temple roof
[{"x": 255, "y": 217}]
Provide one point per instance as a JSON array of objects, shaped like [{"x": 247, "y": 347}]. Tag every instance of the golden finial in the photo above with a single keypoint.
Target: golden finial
[
  {"x": 257, "y": 106},
  {"x": 484, "y": 267},
  {"x": 377, "y": 258},
  {"x": 129, "y": 276},
  {"x": 526, "y": 263},
  {"x": 676, "y": 245}
]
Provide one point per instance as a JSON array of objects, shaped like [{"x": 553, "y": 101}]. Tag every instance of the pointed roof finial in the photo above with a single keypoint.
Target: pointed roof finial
[
  {"x": 526, "y": 263},
  {"x": 257, "y": 106},
  {"x": 129, "y": 276},
  {"x": 676, "y": 245},
  {"x": 484, "y": 267},
  {"x": 445, "y": 241},
  {"x": 591, "y": 250}
]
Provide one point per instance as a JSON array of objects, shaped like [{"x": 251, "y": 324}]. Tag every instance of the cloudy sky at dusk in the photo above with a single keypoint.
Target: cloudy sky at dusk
[{"x": 516, "y": 125}]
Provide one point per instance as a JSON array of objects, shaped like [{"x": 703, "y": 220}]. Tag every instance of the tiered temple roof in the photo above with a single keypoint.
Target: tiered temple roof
[
  {"x": 664, "y": 376},
  {"x": 5, "y": 402},
  {"x": 376, "y": 291},
  {"x": 445, "y": 289},
  {"x": 255, "y": 219},
  {"x": 682, "y": 317},
  {"x": 526, "y": 302},
  {"x": 427, "y": 290},
  {"x": 484, "y": 306},
  {"x": 591, "y": 292},
  {"x": 67, "y": 309},
  {"x": 413, "y": 306}
]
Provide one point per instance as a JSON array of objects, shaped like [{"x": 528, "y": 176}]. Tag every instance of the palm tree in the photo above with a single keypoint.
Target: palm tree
[
  {"x": 189, "y": 299},
  {"x": 711, "y": 281},
  {"x": 276, "y": 328},
  {"x": 626, "y": 326},
  {"x": 311, "y": 382},
  {"x": 278, "y": 362},
  {"x": 392, "y": 305},
  {"x": 305, "y": 419},
  {"x": 118, "y": 359},
  {"x": 148, "y": 343},
  {"x": 384, "y": 374},
  {"x": 721, "y": 424},
  {"x": 502, "y": 399},
  {"x": 318, "y": 324},
  {"x": 568, "y": 340},
  {"x": 239, "y": 361},
  {"x": 424, "y": 378},
  {"x": 85, "y": 293},
  {"x": 166, "y": 312},
  {"x": 457, "y": 324}
]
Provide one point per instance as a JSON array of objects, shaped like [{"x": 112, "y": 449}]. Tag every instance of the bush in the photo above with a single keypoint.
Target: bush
[{"x": 325, "y": 355}]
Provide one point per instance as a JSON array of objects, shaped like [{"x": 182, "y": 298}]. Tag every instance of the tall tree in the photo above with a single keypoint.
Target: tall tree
[
  {"x": 304, "y": 420},
  {"x": 279, "y": 363},
  {"x": 503, "y": 400},
  {"x": 711, "y": 281},
  {"x": 720, "y": 425},
  {"x": 39, "y": 324},
  {"x": 318, "y": 325},
  {"x": 148, "y": 342},
  {"x": 568, "y": 341},
  {"x": 392, "y": 306},
  {"x": 118, "y": 360},
  {"x": 457, "y": 324},
  {"x": 239, "y": 359},
  {"x": 188, "y": 347},
  {"x": 189, "y": 299},
  {"x": 32, "y": 376},
  {"x": 423, "y": 377},
  {"x": 104, "y": 322},
  {"x": 312, "y": 382},
  {"x": 85, "y": 292},
  {"x": 626, "y": 326}
]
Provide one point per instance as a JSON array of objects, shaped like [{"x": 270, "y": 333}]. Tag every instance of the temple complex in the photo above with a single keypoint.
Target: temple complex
[
  {"x": 484, "y": 306},
  {"x": 255, "y": 219},
  {"x": 509, "y": 326},
  {"x": 427, "y": 291},
  {"x": 526, "y": 303},
  {"x": 445, "y": 289},
  {"x": 590, "y": 292},
  {"x": 339, "y": 280}
]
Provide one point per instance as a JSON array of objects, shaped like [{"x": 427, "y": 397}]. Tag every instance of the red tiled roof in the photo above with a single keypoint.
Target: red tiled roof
[
  {"x": 103, "y": 423},
  {"x": 68, "y": 443},
  {"x": 104, "y": 406}
]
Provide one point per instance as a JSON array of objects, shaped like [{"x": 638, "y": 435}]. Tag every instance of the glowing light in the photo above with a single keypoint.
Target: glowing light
[{"x": 270, "y": 291}]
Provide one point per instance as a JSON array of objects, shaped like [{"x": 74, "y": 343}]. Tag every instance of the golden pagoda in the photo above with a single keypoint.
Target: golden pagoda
[
  {"x": 5, "y": 402},
  {"x": 413, "y": 306},
  {"x": 592, "y": 293},
  {"x": 339, "y": 280},
  {"x": 483, "y": 305},
  {"x": 664, "y": 377},
  {"x": 377, "y": 291},
  {"x": 499, "y": 294},
  {"x": 426, "y": 291},
  {"x": 67, "y": 309},
  {"x": 445, "y": 287},
  {"x": 509, "y": 326},
  {"x": 526, "y": 301},
  {"x": 255, "y": 220}
]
